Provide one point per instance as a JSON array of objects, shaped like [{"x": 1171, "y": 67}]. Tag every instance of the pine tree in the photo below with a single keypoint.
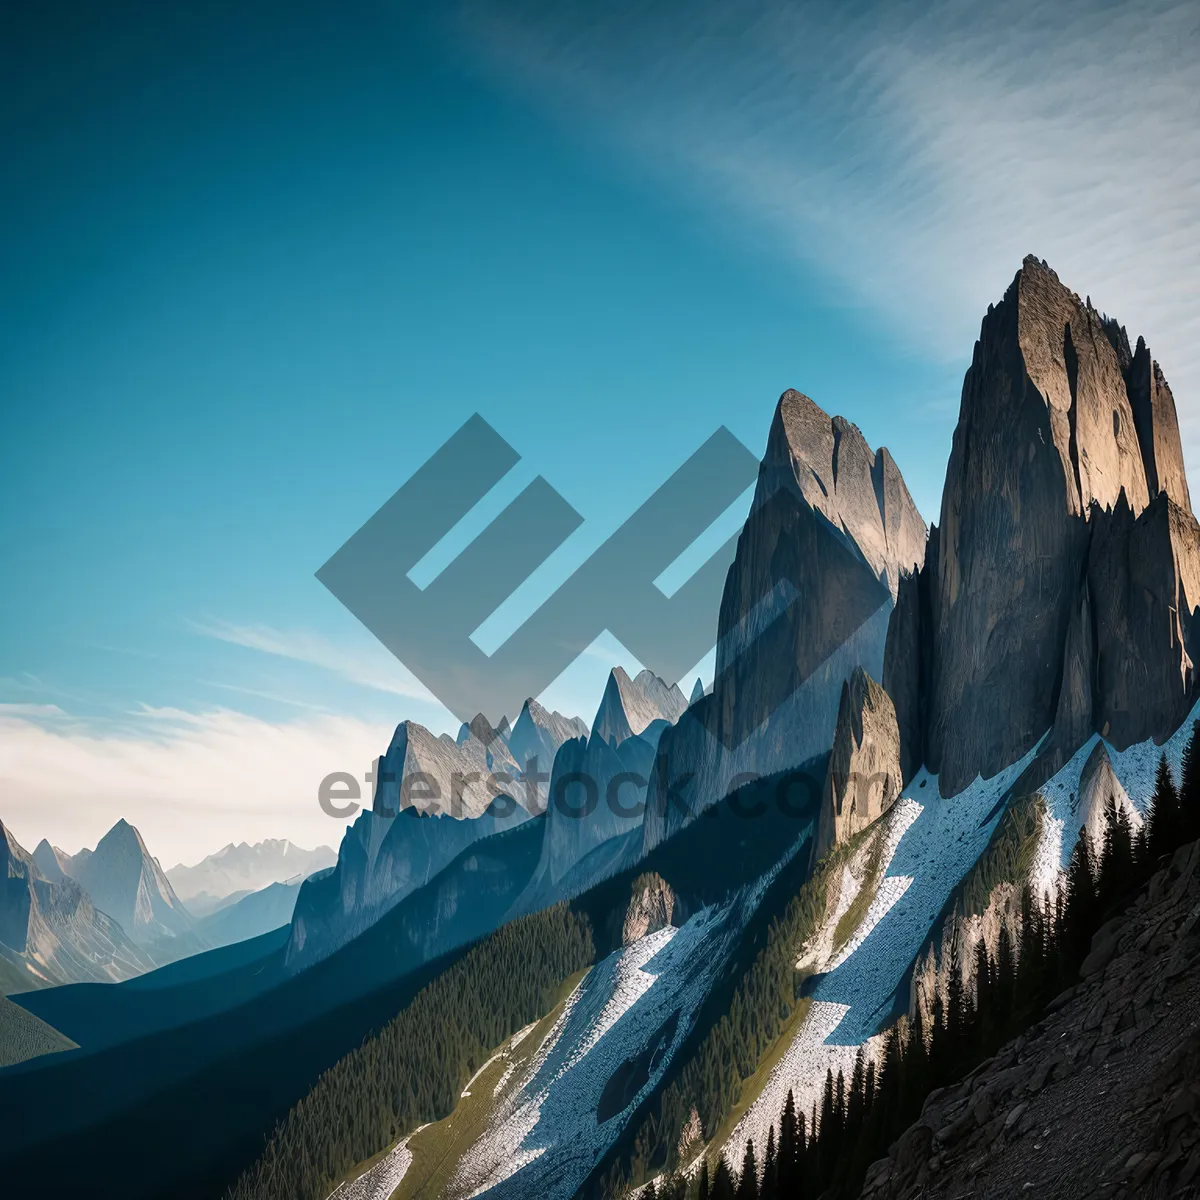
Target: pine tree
[
  {"x": 856, "y": 1101},
  {"x": 1079, "y": 917},
  {"x": 801, "y": 1170},
  {"x": 723, "y": 1187},
  {"x": 1006, "y": 979},
  {"x": 956, "y": 1016},
  {"x": 1189, "y": 788},
  {"x": 704, "y": 1191},
  {"x": 984, "y": 987},
  {"x": 914, "y": 1068},
  {"x": 1116, "y": 860},
  {"x": 748, "y": 1181},
  {"x": 1163, "y": 832},
  {"x": 1031, "y": 959},
  {"x": 824, "y": 1135},
  {"x": 651, "y": 1192},
  {"x": 938, "y": 1067},
  {"x": 769, "y": 1190},
  {"x": 789, "y": 1148}
]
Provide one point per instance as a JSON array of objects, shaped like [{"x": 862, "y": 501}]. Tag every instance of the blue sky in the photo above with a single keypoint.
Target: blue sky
[{"x": 262, "y": 264}]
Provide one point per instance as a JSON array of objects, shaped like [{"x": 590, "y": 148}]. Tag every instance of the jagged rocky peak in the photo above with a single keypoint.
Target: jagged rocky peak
[
  {"x": 1059, "y": 586},
  {"x": 697, "y": 692},
  {"x": 126, "y": 881},
  {"x": 53, "y": 863},
  {"x": 51, "y": 932},
  {"x": 539, "y": 733},
  {"x": 1070, "y": 361},
  {"x": 454, "y": 780},
  {"x": 838, "y": 474},
  {"x": 831, "y": 532},
  {"x": 630, "y": 706},
  {"x": 864, "y": 775}
]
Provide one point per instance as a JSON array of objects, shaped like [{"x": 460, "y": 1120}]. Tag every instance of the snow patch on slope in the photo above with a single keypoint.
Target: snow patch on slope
[
  {"x": 1134, "y": 767},
  {"x": 899, "y": 820},
  {"x": 618, "y": 1032},
  {"x": 936, "y": 849},
  {"x": 383, "y": 1178}
]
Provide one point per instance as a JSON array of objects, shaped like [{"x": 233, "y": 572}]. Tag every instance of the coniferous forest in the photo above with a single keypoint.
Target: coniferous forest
[{"x": 411, "y": 1072}]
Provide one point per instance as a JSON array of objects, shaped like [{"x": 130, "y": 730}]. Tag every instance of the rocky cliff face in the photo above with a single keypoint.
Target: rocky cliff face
[
  {"x": 1058, "y": 589},
  {"x": 864, "y": 775},
  {"x": 831, "y": 532},
  {"x": 435, "y": 775},
  {"x": 631, "y": 706}
]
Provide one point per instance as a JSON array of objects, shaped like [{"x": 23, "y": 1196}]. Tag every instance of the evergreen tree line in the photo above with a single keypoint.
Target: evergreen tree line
[
  {"x": 412, "y": 1071},
  {"x": 987, "y": 1002}
]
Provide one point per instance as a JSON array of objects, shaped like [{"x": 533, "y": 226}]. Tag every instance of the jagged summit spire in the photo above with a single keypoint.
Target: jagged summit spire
[
  {"x": 829, "y": 462},
  {"x": 1058, "y": 589}
]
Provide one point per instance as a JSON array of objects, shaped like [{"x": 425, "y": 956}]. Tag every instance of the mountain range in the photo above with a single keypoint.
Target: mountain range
[
  {"x": 112, "y": 913},
  {"x": 843, "y": 891}
]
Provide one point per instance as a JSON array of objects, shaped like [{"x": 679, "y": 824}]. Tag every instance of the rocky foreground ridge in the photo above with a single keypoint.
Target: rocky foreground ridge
[{"x": 1101, "y": 1097}]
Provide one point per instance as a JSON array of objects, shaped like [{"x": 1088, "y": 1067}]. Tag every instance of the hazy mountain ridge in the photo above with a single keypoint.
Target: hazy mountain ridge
[{"x": 247, "y": 868}]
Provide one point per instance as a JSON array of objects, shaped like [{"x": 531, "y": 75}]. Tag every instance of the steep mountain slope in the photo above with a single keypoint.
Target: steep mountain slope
[
  {"x": 125, "y": 881},
  {"x": 269, "y": 908},
  {"x": 1099, "y": 1097},
  {"x": 597, "y": 799},
  {"x": 51, "y": 861},
  {"x": 434, "y": 797},
  {"x": 51, "y": 933},
  {"x": 244, "y": 868},
  {"x": 831, "y": 530}
]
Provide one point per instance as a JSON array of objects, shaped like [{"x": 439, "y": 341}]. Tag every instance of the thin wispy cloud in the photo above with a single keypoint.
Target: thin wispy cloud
[
  {"x": 368, "y": 665},
  {"x": 912, "y": 153},
  {"x": 43, "y": 712}
]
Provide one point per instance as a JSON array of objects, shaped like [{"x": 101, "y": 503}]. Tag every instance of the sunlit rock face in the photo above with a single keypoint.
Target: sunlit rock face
[
  {"x": 831, "y": 533},
  {"x": 1065, "y": 486}
]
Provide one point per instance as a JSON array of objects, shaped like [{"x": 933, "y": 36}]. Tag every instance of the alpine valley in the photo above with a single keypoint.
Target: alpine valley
[{"x": 903, "y": 904}]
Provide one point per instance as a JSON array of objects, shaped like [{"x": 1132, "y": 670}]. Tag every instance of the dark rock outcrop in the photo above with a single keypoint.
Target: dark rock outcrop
[
  {"x": 864, "y": 776},
  {"x": 1059, "y": 590},
  {"x": 650, "y": 908}
]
